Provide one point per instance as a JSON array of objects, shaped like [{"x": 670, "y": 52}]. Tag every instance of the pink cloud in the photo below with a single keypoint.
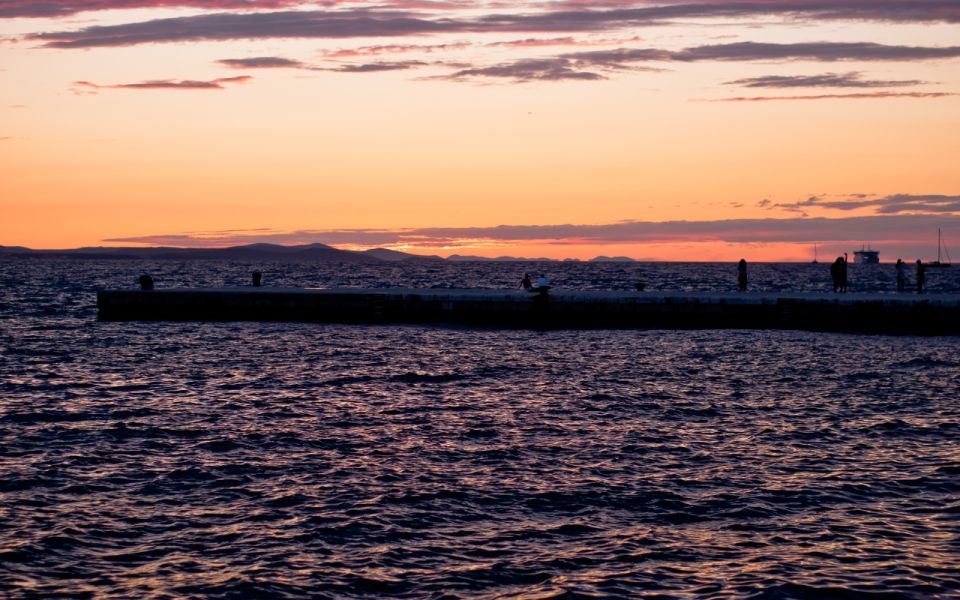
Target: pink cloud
[
  {"x": 35, "y": 8},
  {"x": 562, "y": 41},
  {"x": 392, "y": 49}
]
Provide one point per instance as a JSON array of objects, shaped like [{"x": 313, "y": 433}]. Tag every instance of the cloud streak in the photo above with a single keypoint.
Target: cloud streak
[
  {"x": 379, "y": 67},
  {"x": 911, "y": 227},
  {"x": 392, "y": 49},
  {"x": 829, "y": 80},
  {"x": 262, "y": 62},
  {"x": 593, "y": 64},
  {"x": 164, "y": 84},
  {"x": 853, "y": 96},
  {"x": 363, "y": 22},
  {"x": 64, "y": 8},
  {"x": 565, "y": 14},
  {"x": 546, "y": 69},
  {"x": 886, "y": 205}
]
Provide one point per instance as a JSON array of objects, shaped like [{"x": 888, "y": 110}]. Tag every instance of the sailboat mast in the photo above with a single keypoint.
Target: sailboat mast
[{"x": 938, "y": 244}]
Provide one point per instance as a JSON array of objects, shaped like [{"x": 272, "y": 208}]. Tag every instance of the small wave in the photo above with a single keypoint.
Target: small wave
[
  {"x": 412, "y": 377},
  {"x": 52, "y": 416}
]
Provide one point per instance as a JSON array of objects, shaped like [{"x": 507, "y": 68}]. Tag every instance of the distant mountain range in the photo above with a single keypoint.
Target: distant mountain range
[
  {"x": 262, "y": 253},
  {"x": 250, "y": 253}
]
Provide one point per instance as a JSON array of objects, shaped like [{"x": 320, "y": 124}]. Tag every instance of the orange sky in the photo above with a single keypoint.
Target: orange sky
[{"x": 121, "y": 127}]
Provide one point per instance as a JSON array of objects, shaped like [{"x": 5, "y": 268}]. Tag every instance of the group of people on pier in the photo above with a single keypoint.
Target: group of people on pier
[
  {"x": 902, "y": 276},
  {"x": 838, "y": 273}
]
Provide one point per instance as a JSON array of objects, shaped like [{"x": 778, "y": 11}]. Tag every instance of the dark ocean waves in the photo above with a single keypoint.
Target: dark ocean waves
[{"x": 232, "y": 460}]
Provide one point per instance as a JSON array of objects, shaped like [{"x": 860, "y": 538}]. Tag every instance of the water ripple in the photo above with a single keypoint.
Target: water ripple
[{"x": 283, "y": 460}]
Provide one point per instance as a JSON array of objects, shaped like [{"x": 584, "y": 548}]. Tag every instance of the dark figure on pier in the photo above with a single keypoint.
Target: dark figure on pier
[
  {"x": 146, "y": 282},
  {"x": 742, "y": 275},
  {"x": 843, "y": 274},
  {"x": 543, "y": 285},
  {"x": 639, "y": 286},
  {"x": 901, "y": 275},
  {"x": 257, "y": 278},
  {"x": 836, "y": 273},
  {"x": 921, "y": 275},
  {"x": 526, "y": 283}
]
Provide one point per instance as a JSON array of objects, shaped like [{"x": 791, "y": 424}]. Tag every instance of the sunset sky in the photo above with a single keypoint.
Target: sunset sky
[{"x": 695, "y": 130}]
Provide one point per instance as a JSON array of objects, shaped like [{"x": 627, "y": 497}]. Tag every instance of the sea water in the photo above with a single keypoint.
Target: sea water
[{"x": 158, "y": 460}]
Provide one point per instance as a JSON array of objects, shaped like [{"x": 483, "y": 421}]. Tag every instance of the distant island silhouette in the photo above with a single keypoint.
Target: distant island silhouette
[{"x": 267, "y": 252}]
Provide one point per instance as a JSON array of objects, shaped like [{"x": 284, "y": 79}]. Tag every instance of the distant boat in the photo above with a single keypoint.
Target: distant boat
[
  {"x": 941, "y": 249},
  {"x": 865, "y": 256},
  {"x": 815, "y": 261}
]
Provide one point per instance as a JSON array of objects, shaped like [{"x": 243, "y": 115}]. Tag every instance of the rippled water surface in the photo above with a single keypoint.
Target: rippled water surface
[{"x": 291, "y": 460}]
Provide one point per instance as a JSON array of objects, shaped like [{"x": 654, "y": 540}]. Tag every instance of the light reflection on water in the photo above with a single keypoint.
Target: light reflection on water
[{"x": 238, "y": 459}]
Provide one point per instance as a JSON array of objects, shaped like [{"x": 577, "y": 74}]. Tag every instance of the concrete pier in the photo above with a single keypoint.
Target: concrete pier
[{"x": 561, "y": 309}]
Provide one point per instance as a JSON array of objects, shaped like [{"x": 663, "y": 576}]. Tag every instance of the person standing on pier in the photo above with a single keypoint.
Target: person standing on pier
[
  {"x": 901, "y": 275},
  {"x": 836, "y": 273},
  {"x": 843, "y": 275},
  {"x": 742, "y": 275},
  {"x": 257, "y": 278},
  {"x": 921, "y": 275},
  {"x": 526, "y": 283}
]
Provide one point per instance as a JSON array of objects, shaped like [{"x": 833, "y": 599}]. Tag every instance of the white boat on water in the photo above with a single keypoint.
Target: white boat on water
[{"x": 866, "y": 256}]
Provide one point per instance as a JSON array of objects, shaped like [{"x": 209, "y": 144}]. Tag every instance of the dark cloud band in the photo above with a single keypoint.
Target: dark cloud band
[
  {"x": 593, "y": 64},
  {"x": 786, "y": 230},
  {"x": 165, "y": 84},
  {"x": 823, "y": 80},
  {"x": 398, "y": 23}
]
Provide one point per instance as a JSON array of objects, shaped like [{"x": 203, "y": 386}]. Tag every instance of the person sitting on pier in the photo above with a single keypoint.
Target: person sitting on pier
[
  {"x": 742, "y": 275},
  {"x": 639, "y": 286},
  {"x": 526, "y": 282},
  {"x": 146, "y": 282},
  {"x": 543, "y": 286},
  {"x": 901, "y": 275},
  {"x": 257, "y": 278},
  {"x": 921, "y": 275}
]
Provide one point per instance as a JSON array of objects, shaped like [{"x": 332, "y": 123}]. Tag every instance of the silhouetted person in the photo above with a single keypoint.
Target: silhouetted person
[
  {"x": 843, "y": 275},
  {"x": 901, "y": 276},
  {"x": 146, "y": 282},
  {"x": 526, "y": 283},
  {"x": 257, "y": 278},
  {"x": 639, "y": 286},
  {"x": 742, "y": 275},
  {"x": 543, "y": 285},
  {"x": 836, "y": 273},
  {"x": 921, "y": 275}
]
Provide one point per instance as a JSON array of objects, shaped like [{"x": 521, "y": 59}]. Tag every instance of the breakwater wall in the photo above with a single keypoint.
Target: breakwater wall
[{"x": 560, "y": 309}]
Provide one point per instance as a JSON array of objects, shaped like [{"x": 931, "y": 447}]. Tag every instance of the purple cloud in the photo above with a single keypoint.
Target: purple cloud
[
  {"x": 262, "y": 62},
  {"x": 789, "y": 230},
  {"x": 893, "y": 204},
  {"x": 63, "y": 8},
  {"x": 855, "y": 96},
  {"x": 164, "y": 84},
  {"x": 831, "y": 80},
  {"x": 379, "y": 67},
  {"x": 593, "y": 64},
  {"x": 546, "y": 69},
  {"x": 382, "y": 23}
]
